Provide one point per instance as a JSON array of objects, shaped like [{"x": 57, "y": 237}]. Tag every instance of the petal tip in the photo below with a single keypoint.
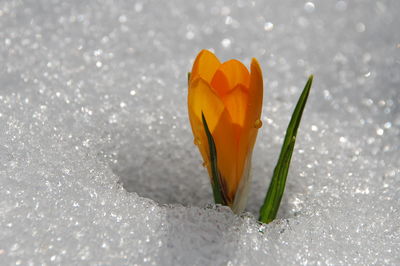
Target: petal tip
[
  {"x": 205, "y": 51},
  {"x": 205, "y": 65},
  {"x": 255, "y": 70},
  {"x": 255, "y": 64}
]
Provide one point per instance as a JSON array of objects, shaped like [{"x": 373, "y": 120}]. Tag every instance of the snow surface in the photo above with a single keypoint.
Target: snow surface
[{"x": 97, "y": 158}]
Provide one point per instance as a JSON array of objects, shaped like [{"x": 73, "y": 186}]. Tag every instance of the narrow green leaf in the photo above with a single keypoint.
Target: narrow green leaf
[
  {"x": 216, "y": 178},
  {"x": 276, "y": 188}
]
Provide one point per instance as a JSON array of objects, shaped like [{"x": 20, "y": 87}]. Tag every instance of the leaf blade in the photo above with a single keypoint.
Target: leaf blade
[
  {"x": 276, "y": 188},
  {"x": 216, "y": 178}
]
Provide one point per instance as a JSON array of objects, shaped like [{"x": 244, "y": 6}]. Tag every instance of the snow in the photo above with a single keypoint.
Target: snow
[{"x": 98, "y": 164}]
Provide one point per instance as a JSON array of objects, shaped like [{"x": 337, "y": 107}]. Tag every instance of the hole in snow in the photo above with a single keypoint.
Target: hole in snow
[{"x": 164, "y": 170}]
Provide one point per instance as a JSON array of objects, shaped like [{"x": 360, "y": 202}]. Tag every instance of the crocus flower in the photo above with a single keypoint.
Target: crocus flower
[{"x": 230, "y": 98}]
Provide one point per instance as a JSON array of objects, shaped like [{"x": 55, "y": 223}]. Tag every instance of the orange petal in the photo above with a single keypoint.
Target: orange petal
[
  {"x": 254, "y": 104},
  {"x": 253, "y": 114},
  {"x": 203, "y": 99},
  {"x": 204, "y": 66},
  {"x": 225, "y": 142},
  {"x": 229, "y": 75},
  {"x": 236, "y": 103},
  {"x": 242, "y": 191}
]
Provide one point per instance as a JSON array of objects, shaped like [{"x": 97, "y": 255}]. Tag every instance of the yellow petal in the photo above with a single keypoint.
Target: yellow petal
[
  {"x": 229, "y": 75},
  {"x": 204, "y": 66}
]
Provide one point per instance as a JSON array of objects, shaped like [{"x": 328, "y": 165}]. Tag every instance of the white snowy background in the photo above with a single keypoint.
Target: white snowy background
[{"x": 98, "y": 165}]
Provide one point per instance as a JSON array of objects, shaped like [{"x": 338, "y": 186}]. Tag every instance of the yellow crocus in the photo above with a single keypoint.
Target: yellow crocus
[{"x": 231, "y": 100}]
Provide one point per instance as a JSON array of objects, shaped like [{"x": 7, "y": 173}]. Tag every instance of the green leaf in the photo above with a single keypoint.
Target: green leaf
[
  {"x": 276, "y": 188},
  {"x": 216, "y": 177}
]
